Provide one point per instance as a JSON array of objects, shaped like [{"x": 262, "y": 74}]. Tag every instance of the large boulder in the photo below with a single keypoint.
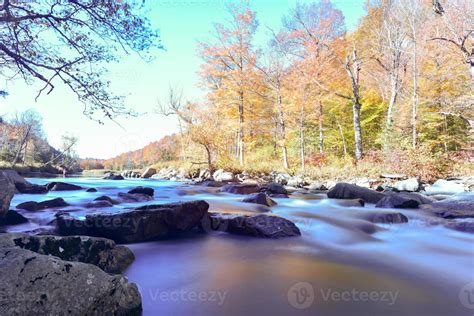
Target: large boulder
[
  {"x": 142, "y": 190},
  {"x": 36, "y": 206},
  {"x": 445, "y": 187},
  {"x": 259, "y": 198},
  {"x": 352, "y": 191},
  {"x": 141, "y": 224},
  {"x": 35, "y": 284},
  {"x": 148, "y": 172},
  {"x": 61, "y": 186},
  {"x": 223, "y": 176},
  {"x": 264, "y": 226},
  {"x": 241, "y": 188},
  {"x": 101, "y": 252},
  {"x": 410, "y": 185},
  {"x": 460, "y": 206},
  {"x": 7, "y": 190},
  {"x": 23, "y": 186}
]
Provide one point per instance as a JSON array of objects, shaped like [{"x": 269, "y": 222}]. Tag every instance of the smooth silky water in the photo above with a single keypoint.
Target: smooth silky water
[{"x": 341, "y": 265}]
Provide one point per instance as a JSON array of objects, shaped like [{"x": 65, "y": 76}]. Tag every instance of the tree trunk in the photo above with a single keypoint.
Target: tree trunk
[
  {"x": 391, "y": 106},
  {"x": 302, "y": 151},
  {"x": 344, "y": 144},
  {"x": 22, "y": 143},
  {"x": 281, "y": 119},
  {"x": 241, "y": 145},
  {"x": 321, "y": 130},
  {"x": 357, "y": 129},
  {"x": 414, "y": 110}
]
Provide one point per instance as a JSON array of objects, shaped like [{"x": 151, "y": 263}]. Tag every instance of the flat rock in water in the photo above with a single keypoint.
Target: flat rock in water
[
  {"x": 352, "y": 191},
  {"x": 36, "y": 206},
  {"x": 91, "y": 190},
  {"x": 48, "y": 285},
  {"x": 142, "y": 190},
  {"x": 61, "y": 186},
  {"x": 243, "y": 188},
  {"x": 99, "y": 204},
  {"x": 130, "y": 198},
  {"x": 403, "y": 200},
  {"x": 141, "y": 224},
  {"x": 101, "y": 252},
  {"x": 264, "y": 226},
  {"x": 384, "y": 217},
  {"x": 259, "y": 198},
  {"x": 460, "y": 206},
  {"x": 106, "y": 198}
]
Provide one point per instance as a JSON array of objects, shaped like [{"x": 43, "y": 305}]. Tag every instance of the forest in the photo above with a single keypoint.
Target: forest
[{"x": 394, "y": 95}]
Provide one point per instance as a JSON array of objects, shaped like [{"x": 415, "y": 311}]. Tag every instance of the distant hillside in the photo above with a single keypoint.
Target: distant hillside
[{"x": 165, "y": 149}]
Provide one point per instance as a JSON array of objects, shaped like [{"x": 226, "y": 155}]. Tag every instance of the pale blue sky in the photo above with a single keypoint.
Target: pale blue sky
[{"x": 182, "y": 23}]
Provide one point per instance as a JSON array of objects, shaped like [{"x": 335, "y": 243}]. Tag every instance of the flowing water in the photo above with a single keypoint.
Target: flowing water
[{"x": 341, "y": 265}]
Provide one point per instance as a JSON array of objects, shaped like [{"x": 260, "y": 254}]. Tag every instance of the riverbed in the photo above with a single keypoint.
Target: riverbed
[{"x": 341, "y": 265}]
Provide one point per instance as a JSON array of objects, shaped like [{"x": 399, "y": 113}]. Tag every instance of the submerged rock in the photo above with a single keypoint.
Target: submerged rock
[
  {"x": 45, "y": 285},
  {"x": 36, "y": 206},
  {"x": 101, "y": 252},
  {"x": 260, "y": 198},
  {"x": 352, "y": 191},
  {"x": 91, "y": 190},
  {"x": 7, "y": 190},
  {"x": 61, "y": 186},
  {"x": 106, "y": 198},
  {"x": 99, "y": 204},
  {"x": 242, "y": 188},
  {"x": 131, "y": 198},
  {"x": 141, "y": 224},
  {"x": 142, "y": 190},
  {"x": 264, "y": 226},
  {"x": 461, "y": 206}
]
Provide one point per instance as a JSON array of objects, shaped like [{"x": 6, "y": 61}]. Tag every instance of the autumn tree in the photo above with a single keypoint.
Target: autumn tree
[
  {"x": 67, "y": 42},
  {"x": 228, "y": 60}
]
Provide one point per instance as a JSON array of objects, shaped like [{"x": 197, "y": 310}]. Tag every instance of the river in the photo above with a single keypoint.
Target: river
[{"x": 341, "y": 265}]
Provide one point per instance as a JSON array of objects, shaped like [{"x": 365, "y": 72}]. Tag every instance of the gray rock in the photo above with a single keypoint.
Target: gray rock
[
  {"x": 35, "y": 284},
  {"x": 36, "y": 206},
  {"x": 99, "y": 204},
  {"x": 141, "y": 224},
  {"x": 445, "y": 187},
  {"x": 410, "y": 185},
  {"x": 460, "y": 206},
  {"x": 384, "y": 217},
  {"x": 263, "y": 226},
  {"x": 148, "y": 173},
  {"x": 142, "y": 190},
  {"x": 106, "y": 198},
  {"x": 101, "y": 252},
  {"x": 273, "y": 188},
  {"x": 242, "y": 188},
  {"x": 61, "y": 186},
  {"x": 352, "y": 191},
  {"x": 296, "y": 182},
  {"x": 7, "y": 190},
  {"x": 282, "y": 178},
  {"x": 317, "y": 186},
  {"x": 349, "y": 202},
  {"x": 131, "y": 198},
  {"x": 91, "y": 190},
  {"x": 403, "y": 200},
  {"x": 259, "y": 198},
  {"x": 23, "y": 186},
  {"x": 112, "y": 176}
]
